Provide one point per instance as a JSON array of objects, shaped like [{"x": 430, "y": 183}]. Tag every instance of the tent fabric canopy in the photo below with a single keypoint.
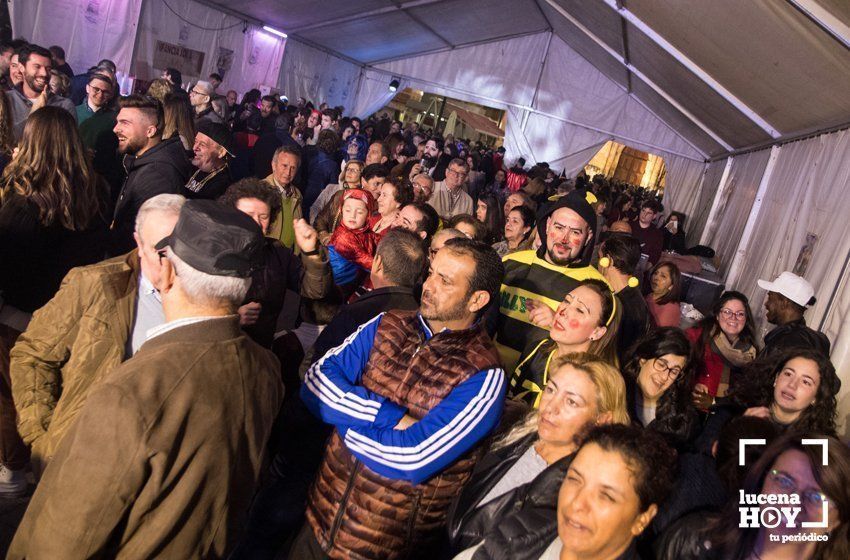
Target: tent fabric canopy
[{"x": 702, "y": 67}]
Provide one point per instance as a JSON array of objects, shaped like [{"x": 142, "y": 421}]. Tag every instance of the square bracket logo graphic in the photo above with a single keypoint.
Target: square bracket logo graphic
[{"x": 822, "y": 442}]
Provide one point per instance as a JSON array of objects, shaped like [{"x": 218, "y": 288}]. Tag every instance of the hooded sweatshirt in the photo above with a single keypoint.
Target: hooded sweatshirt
[{"x": 528, "y": 275}]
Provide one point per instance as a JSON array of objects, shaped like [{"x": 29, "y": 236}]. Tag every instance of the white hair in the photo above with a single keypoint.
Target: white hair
[
  {"x": 165, "y": 203},
  {"x": 207, "y": 289}
]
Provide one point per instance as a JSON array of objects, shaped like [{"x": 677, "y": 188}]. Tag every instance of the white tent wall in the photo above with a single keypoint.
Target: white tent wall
[
  {"x": 684, "y": 186},
  {"x": 705, "y": 196},
  {"x": 88, "y": 31},
  {"x": 255, "y": 55},
  {"x": 728, "y": 220},
  {"x": 373, "y": 93},
  {"x": 318, "y": 76},
  {"x": 807, "y": 194},
  {"x": 555, "y": 110}
]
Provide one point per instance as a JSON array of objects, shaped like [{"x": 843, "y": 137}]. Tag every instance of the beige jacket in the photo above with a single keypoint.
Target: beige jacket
[
  {"x": 72, "y": 343},
  {"x": 164, "y": 457}
]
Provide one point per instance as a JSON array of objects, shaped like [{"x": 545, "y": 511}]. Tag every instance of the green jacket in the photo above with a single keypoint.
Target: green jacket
[{"x": 290, "y": 210}]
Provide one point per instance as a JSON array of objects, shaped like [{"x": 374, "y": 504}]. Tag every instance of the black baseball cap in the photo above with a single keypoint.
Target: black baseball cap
[
  {"x": 219, "y": 134},
  {"x": 216, "y": 239}
]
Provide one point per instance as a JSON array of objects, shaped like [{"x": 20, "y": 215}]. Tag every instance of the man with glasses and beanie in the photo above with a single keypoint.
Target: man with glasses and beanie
[
  {"x": 787, "y": 299},
  {"x": 449, "y": 197},
  {"x": 166, "y": 452}
]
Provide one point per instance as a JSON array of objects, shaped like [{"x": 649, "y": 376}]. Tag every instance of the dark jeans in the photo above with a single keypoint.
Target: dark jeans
[
  {"x": 278, "y": 508},
  {"x": 13, "y": 452}
]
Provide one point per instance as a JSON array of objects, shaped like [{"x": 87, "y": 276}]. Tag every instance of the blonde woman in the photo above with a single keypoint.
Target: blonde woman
[{"x": 529, "y": 462}]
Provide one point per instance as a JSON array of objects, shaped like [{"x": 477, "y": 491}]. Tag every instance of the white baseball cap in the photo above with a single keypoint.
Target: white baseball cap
[{"x": 790, "y": 285}]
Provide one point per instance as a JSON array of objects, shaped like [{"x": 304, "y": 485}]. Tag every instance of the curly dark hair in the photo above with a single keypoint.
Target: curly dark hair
[
  {"x": 402, "y": 191},
  {"x": 675, "y": 418},
  {"x": 756, "y": 388},
  {"x": 650, "y": 459},
  {"x": 251, "y": 187},
  {"x": 737, "y": 543}
]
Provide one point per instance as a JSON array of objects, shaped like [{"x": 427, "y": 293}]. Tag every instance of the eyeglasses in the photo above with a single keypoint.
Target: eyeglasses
[
  {"x": 456, "y": 173},
  {"x": 728, "y": 314},
  {"x": 161, "y": 254},
  {"x": 662, "y": 366},
  {"x": 787, "y": 485},
  {"x": 196, "y": 92},
  {"x": 100, "y": 91}
]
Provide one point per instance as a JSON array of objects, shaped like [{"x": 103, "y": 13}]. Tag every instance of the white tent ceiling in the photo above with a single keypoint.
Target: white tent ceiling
[{"x": 725, "y": 74}]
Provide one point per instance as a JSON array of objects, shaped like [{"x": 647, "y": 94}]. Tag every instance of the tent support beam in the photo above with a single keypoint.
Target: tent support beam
[
  {"x": 429, "y": 29},
  {"x": 721, "y": 186},
  {"x": 825, "y": 20},
  {"x": 325, "y": 50},
  {"x": 749, "y": 229},
  {"x": 676, "y": 132},
  {"x": 374, "y": 63},
  {"x": 658, "y": 89},
  {"x": 716, "y": 86},
  {"x": 396, "y": 7},
  {"x": 804, "y": 135}
]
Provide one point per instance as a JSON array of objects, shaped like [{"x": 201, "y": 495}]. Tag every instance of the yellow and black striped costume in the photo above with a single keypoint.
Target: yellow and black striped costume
[{"x": 527, "y": 275}]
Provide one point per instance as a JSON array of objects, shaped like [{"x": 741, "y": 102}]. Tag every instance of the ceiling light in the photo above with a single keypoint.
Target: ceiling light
[
  {"x": 394, "y": 83},
  {"x": 274, "y": 31}
]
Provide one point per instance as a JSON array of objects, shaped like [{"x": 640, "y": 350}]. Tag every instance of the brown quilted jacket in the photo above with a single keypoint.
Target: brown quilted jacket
[{"x": 356, "y": 513}]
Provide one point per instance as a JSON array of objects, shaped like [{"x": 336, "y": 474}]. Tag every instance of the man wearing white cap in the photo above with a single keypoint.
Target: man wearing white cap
[{"x": 787, "y": 299}]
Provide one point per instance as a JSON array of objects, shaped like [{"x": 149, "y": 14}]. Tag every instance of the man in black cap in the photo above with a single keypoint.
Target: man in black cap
[
  {"x": 213, "y": 148},
  {"x": 165, "y": 454},
  {"x": 536, "y": 282}
]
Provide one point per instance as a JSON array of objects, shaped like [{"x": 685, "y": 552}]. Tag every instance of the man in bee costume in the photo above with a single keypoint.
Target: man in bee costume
[{"x": 536, "y": 281}]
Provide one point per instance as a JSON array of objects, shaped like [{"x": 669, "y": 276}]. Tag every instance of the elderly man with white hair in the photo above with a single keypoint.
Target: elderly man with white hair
[
  {"x": 165, "y": 454},
  {"x": 201, "y": 97}
]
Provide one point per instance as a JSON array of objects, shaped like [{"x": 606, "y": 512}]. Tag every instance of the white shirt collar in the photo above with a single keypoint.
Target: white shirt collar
[{"x": 171, "y": 325}]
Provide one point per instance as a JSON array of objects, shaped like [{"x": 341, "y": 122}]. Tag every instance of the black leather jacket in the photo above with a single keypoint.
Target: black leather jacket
[{"x": 518, "y": 525}]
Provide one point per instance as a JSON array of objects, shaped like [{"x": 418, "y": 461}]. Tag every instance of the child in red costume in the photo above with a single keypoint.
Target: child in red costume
[{"x": 353, "y": 243}]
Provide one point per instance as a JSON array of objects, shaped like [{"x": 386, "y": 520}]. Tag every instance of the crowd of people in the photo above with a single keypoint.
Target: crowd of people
[{"x": 268, "y": 329}]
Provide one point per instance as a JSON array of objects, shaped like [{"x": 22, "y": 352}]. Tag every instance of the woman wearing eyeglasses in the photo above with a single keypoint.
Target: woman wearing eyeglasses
[
  {"x": 659, "y": 377},
  {"x": 787, "y": 467},
  {"x": 723, "y": 342}
]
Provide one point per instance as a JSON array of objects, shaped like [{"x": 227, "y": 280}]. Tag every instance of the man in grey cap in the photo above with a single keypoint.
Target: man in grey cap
[
  {"x": 166, "y": 452},
  {"x": 787, "y": 299}
]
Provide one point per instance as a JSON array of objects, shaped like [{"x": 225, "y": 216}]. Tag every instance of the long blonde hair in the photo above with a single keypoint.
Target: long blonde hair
[
  {"x": 53, "y": 170},
  {"x": 610, "y": 394}
]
